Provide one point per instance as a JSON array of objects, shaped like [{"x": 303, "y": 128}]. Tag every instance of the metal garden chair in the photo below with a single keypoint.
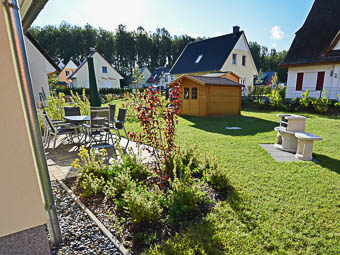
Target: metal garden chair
[{"x": 58, "y": 129}]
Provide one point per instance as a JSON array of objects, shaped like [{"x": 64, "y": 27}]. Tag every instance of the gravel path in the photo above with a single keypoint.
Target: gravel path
[{"x": 80, "y": 234}]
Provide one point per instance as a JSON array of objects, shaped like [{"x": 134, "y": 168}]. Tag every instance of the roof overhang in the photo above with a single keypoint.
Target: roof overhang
[
  {"x": 29, "y": 10},
  {"x": 309, "y": 64},
  {"x": 186, "y": 76}
]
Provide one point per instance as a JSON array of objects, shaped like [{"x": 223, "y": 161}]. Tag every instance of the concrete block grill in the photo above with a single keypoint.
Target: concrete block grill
[{"x": 289, "y": 125}]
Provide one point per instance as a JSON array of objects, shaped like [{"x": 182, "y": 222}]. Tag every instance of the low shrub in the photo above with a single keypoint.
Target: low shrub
[
  {"x": 133, "y": 164},
  {"x": 184, "y": 198},
  {"x": 123, "y": 183},
  {"x": 322, "y": 103},
  {"x": 91, "y": 184},
  {"x": 217, "y": 177},
  {"x": 143, "y": 205},
  {"x": 185, "y": 163}
]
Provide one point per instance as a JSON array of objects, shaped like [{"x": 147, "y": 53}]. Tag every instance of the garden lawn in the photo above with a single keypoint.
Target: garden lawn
[{"x": 272, "y": 207}]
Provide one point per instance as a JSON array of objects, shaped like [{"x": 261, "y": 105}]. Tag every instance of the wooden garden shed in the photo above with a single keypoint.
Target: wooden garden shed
[{"x": 209, "y": 96}]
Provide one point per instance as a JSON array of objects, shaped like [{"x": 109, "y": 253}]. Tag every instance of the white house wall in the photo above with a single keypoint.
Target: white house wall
[
  {"x": 38, "y": 68},
  {"x": 331, "y": 84},
  {"x": 112, "y": 77},
  {"x": 337, "y": 46},
  {"x": 246, "y": 72}
]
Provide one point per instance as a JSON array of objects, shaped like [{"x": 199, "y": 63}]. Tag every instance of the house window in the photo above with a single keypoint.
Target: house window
[
  {"x": 67, "y": 73},
  {"x": 234, "y": 59},
  {"x": 104, "y": 69},
  {"x": 198, "y": 58},
  {"x": 186, "y": 93},
  {"x": 244, "y": 81},
  {"x": 299, "y": 81},
  {"x": 320, "y": 80},
  {"x": 193, "y": 93},
  {"x": 244, "y": 60}
]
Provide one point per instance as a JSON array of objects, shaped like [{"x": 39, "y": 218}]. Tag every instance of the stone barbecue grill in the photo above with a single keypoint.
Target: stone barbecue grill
[{"x": 289, "y": 125}]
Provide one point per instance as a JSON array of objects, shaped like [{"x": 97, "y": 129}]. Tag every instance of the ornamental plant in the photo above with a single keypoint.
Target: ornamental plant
[{"x": 158, "y": 118}]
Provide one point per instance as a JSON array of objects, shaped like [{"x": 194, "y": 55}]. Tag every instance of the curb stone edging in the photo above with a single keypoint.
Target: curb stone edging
[{"x": 106, "y": 232}]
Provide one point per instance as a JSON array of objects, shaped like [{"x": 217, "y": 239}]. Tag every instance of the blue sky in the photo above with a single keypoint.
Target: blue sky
[{"x": 272, "y": 23}]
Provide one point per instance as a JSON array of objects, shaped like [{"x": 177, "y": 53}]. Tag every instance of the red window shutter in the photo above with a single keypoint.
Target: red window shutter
[
  {"x": 320, "y": 80},
  {"x": 299, "y": 81}
]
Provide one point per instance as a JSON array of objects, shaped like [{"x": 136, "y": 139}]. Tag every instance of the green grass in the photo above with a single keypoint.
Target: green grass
[{"x": 278, "y": 208}]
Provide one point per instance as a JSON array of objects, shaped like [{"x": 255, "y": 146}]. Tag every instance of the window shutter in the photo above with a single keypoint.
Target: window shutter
[
  {"x": 299, "y": 81},
  {"x": 320, "y": 80}
]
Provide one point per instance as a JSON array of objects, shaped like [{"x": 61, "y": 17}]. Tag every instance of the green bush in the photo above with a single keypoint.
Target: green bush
[
  {"x": 133, "y": 164},
  {"x": 322, "y": 103},
  {"x": 337, "y": 104},
  {"x": 217, "y": 177},
  {"x": 55, "y": 106},
  {"x": 184, "y": 198},
  {"x": 123, "y": 183},
  {"x": 185, "y": 163},
  {"x": 144, "y": 205},
  {"x": 91, "y": 184}
]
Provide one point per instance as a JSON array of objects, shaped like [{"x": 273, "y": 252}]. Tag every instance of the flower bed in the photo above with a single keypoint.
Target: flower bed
[{"x": 135, "y": 203}]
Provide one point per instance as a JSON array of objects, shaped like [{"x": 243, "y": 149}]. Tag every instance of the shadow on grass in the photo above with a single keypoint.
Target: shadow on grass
[
  {"x": 199, "y": 239},
  {"x": 250, "y": 125},
  {"x": 237, "y": 204},
  {"x": 327, "y": 162}
]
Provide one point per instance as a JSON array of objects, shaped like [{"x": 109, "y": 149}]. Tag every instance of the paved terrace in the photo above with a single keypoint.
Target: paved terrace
[{"x": 59, "y": 160}]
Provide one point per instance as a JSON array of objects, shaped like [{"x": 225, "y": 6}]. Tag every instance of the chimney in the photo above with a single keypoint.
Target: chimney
[{"x": 236, "y": 29}]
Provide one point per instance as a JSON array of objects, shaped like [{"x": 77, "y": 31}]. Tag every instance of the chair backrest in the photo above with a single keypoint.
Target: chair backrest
[
  {"x": 49, "y": 122},
  {"x": 99, "y": 117},
  {"x": 121, "y": 118},
  {"x": 112, "y": 108},
  {"x": 42, "y": 117},
  {"x": 72, "y": 111}
]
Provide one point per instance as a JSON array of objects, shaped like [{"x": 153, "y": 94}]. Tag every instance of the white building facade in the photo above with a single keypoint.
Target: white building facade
[{"x": 107, "y": 76}]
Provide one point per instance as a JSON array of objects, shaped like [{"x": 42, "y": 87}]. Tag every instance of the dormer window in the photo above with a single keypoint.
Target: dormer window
[
  {"x": 234, "y": 59},
  {"x": 198, "y": 59}
]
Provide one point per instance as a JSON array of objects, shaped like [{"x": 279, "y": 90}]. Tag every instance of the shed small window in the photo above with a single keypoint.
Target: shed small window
[
  {"x": 193, "y": 93},
  {"x": 198, "y": 59},
  {"x": 320, "y": 80},
  {"x": 67, "y": 73},
  {"x": 244, "y": 60},
  {"x": 186, "y": 93},
  {"x": 104, "y": 69},
  {"x": 234, "y": 59},
  {"x": 299, "y": 81}
]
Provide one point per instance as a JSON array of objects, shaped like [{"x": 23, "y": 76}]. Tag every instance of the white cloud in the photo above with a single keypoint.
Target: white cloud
[
  {"x": 276, "y": 33},
  {"x": 218, "y": 33}
]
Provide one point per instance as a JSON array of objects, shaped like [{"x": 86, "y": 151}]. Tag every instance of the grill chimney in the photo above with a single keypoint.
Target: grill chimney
[{"x": 236, "y": 29}]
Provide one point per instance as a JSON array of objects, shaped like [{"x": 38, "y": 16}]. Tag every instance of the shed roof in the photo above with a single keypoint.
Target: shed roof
[
  {"x": 213, "y": 52},
  {"x": 204, "y": 80},
  {"x": 319, "y": 32}
]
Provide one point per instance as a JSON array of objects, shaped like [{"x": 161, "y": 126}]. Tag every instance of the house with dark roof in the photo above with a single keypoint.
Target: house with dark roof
[
  {"x": 266, "y": 78},
  {"x": 107, "y": 76},
  {"x": 207, "y": 96},
  {"x": 313, "y": 60},
  {"x": 160, "y": 77},
  {"x": 226, "y": 53},
  {"x": 145, "y": 74},
  {"x": 67, "y": 70},
  {"x": 41, "y": 66}
]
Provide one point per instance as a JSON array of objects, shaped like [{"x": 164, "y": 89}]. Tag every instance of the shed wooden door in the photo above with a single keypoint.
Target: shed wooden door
[{"x": 190, "y": 105}]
